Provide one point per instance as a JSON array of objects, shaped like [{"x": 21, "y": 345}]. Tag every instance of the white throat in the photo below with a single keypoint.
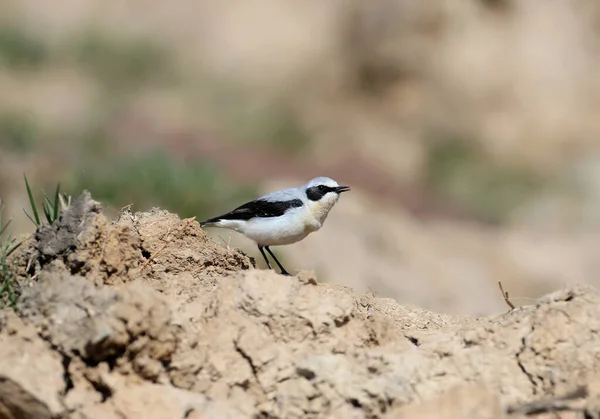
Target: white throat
[{"x": 320, "y": 209}]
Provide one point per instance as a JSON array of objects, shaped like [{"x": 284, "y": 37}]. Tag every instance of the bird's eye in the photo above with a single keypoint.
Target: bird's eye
[{"x": 321, "y": 188}]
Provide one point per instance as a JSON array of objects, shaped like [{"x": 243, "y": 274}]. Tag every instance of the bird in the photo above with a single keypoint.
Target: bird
[{"x": 283, "y": 217}]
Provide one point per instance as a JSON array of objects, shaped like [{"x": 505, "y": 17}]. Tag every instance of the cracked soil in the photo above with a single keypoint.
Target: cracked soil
[{"x": 146, "y": 317}]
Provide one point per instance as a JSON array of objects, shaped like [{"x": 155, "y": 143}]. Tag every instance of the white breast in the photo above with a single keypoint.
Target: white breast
[{"x": 290, "y": 228}]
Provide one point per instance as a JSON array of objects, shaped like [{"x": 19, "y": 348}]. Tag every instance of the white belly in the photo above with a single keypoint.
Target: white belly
[{"x": 276, "y": 231}]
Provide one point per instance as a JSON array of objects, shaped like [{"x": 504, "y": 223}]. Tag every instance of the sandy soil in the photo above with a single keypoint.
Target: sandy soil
[{"x": 146, "y": 317}]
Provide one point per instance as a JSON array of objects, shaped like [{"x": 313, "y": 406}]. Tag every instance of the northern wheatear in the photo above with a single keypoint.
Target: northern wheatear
[{"x": 282, "y": 217}]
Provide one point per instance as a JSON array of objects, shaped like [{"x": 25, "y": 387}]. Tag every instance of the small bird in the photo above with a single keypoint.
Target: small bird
[{"x": 282, "y": 217}]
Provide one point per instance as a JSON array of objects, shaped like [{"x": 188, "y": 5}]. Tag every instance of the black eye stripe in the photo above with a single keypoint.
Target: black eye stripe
[{"x": 314, "y": 193}]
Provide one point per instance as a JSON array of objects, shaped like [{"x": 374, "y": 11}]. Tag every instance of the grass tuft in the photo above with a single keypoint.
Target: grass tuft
[
  {"x": 9, "y": 286},
  {"x": 51, "y": 207}
]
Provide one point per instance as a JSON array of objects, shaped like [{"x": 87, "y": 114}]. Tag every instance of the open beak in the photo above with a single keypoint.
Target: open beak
[{"x": 341, "y": 189}]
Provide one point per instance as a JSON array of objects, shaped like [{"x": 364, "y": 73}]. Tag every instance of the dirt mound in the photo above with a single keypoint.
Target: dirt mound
[
  {"x": 149, "y": 246},
  {"x": 145, "y": 317}
]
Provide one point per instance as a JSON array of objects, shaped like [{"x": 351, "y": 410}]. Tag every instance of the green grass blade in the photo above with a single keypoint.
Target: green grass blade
[
  {"x": 47, "y": 211},
  {"x": 47, "y": 207},
  {"x": 52, "y": 207},
  {"x": 13, "y": 246},
  {"x": 32, "y": 202},
  {"x": 46, "y": 199},
  {"x": 56, "y": 202},
  {"x": 4, "y": 227},
  {"x": 29, "y": 216}
]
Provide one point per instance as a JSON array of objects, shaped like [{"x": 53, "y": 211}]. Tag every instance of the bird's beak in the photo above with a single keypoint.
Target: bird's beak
[{"x": 341, "y": 189}]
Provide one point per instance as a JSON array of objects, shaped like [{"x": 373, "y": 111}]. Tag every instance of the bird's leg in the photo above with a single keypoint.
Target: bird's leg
[
  {"x": 283, "y": 271},
  {"x": 262, "y": 252}
]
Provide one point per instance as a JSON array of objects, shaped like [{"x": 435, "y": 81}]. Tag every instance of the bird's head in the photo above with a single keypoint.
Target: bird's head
[{"x": 322, "y": 194}]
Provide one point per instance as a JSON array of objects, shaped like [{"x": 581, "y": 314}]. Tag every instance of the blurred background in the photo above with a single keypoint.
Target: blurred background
[{"x": 468, "y": 129}]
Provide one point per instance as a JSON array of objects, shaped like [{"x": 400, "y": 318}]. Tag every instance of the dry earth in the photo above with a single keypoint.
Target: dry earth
[{"x": 146, "y": 317}]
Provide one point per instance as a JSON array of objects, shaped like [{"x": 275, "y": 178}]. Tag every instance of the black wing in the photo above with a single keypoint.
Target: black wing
[{"x": 259, "y": 208}]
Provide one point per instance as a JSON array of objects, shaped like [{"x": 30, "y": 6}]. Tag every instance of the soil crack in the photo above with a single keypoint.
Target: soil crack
[
  {"x": 247, "y": 358},
  {"x": 520, "y": 363}
]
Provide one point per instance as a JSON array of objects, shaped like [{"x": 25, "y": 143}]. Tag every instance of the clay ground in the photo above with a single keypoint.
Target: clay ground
[{"x": 144, "y": 316}]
